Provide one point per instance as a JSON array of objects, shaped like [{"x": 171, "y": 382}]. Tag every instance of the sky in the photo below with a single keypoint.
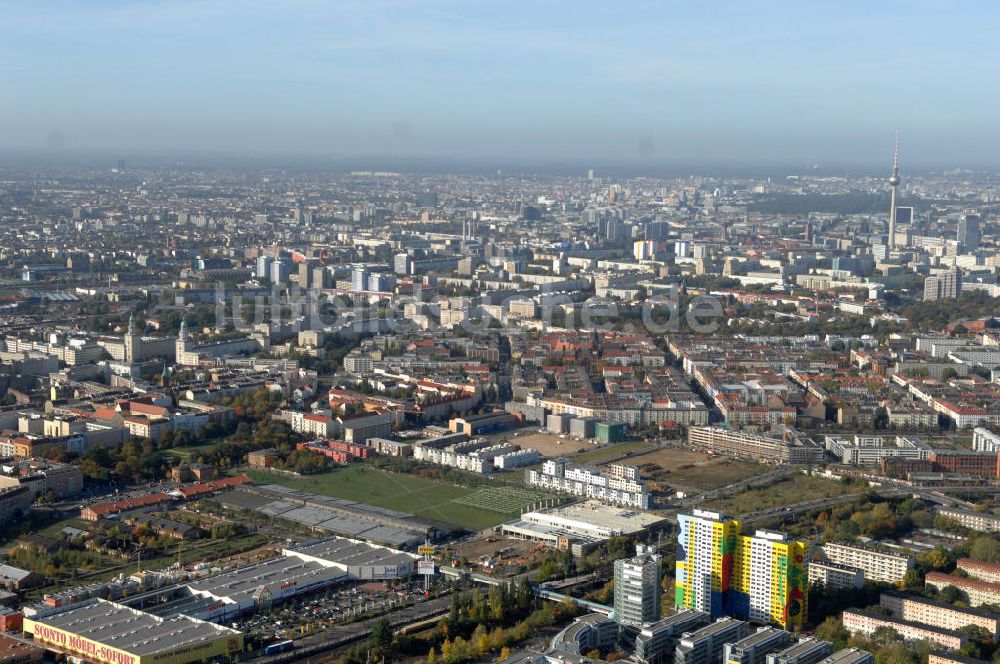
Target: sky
[{"x": 726, "y": 82}]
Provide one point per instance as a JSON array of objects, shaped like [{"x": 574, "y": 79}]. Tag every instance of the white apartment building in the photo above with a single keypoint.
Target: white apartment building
[
  {"x": 618, "y": 486},
  {"x": 878, "y": 565},
  {"x": 984, "y": 440},
  {"x": 835, "y": 576},
  {"x": 983, "y": 522}
]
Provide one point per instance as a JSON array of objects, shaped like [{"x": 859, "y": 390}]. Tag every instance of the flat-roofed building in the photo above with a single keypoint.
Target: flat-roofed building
[
  {"x": 579, "y": 527},
  {"x": 944, "y": 657},
  {"x": 704, "y": 646},
  {"x": 794, "y": 448},
  {"x": 979, "y": 569},
  {"x": 806, "y": 651},
  {"x": 860, "y": 621},
  {"x": 637, "y": 587},
  {"x": 973, "y": 591},
  {"x": 360, "y": 560},
  {"x": 16, "y": 651},
  {"x": 983, "y": 522},
  {"x": 110, "y": 633},
  {"x": 915, "y": 608},
  {"x": 754, "y": 649},
  {"x": 877, "y": 564},
  {"x": 834, "y": 576},
  {"x": 656, "y": 641},
  {"x": 849, "y": 656}
]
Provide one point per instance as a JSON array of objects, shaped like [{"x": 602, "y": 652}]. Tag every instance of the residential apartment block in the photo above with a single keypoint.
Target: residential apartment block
[{"x": 877, "y": 564}]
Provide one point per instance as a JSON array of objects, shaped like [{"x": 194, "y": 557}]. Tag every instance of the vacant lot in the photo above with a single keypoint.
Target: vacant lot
[
  {"x": 605, "y": 454},
  {"x": 684, "y": 469},
  {"x": 431, "y": 499},
  {"x": 789, "y": 492},
  {"x": 551, "y": 445}
]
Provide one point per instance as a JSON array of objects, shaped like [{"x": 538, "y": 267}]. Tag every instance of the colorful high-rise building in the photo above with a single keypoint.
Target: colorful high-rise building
[
  {"x": 760, "y": 578},
  {"x": 769, "y": 580},
  {"x": 706, "y": 543}
]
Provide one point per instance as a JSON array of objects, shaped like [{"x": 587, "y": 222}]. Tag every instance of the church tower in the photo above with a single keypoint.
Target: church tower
[
  {"x": 182, "y": 343},
  {"x": 132, "y": 342}
]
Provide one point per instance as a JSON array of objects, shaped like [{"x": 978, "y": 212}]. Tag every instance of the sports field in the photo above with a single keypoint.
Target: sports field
[
  {"x": 503, "y": 499},
  {"x": 428, "y": 498}
]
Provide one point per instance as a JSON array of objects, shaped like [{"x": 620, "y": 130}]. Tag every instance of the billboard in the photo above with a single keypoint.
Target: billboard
[{"x": 425, "y": 567}]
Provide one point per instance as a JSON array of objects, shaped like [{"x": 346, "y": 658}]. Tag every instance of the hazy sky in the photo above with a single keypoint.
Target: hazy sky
[{"x": 708, "y": 81}]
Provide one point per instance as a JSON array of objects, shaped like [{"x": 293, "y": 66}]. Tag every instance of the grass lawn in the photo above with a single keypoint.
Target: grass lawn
[
  {"x": 794, "y": 490},
  {"x": 428, "y": 498},
  {"x": 605, "y": 454},
  {"x": 189, "y": 452}
]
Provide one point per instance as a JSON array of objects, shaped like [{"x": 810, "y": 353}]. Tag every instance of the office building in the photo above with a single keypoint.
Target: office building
[
  {"x": 850, "y": 656},
  {"x": 280, "y": 271},
  {"x": 943, "y": 286},
  {"x": 754, "y": 649},
  {"x": 637, "y": 587},
  {"x": 359, "y": 279},
  {"x": 616, "y": 485},
  {"x": 655, "y": 643},
  {"x": 968, "y": 231},
  {"x": 705, "y": 645},
  {"x": 807, "y": 651}
]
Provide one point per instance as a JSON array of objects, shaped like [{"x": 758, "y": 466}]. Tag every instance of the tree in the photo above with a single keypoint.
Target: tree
[
  {"x": 382, "y": 634},
  {"x": 986, "y": 549},
  {"x": 912, "y": 579},
  {"x": 950, "y": 594},
  {"x": 504, "y": 654},
  {"x": 832, "y": 630}
]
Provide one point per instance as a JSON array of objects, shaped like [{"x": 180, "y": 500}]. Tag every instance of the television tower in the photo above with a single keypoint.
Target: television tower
[{"x": 894, "y": 183}]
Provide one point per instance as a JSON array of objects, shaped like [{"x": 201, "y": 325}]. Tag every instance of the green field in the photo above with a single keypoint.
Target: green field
[
  {"x": 189, "y": 452},
  {"x": 428, "y": 498},
  {"x": 507, "y": 500}
]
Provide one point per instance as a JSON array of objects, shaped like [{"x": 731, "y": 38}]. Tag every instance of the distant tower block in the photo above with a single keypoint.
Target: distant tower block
[{"x": 894, "y": 183}]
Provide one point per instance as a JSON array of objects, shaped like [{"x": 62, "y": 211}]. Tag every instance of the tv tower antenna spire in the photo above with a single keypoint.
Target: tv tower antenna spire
[{"x": 894, "y": 183}]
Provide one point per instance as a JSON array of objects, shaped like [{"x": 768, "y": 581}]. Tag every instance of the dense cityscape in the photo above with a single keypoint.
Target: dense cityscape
[
  {"x": 499, "y": 332},
  {"x": 329, "y": 415}
]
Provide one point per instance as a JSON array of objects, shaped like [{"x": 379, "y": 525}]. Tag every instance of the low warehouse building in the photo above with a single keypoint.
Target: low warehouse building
[
  {"x": 359, "y": 560},
  {"x": 106, "y": 632},
  {"x": 580, "y": 527}
]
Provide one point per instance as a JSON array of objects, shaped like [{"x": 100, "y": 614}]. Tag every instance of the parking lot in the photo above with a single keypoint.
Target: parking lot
[{"x": 329, "y": 608}]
